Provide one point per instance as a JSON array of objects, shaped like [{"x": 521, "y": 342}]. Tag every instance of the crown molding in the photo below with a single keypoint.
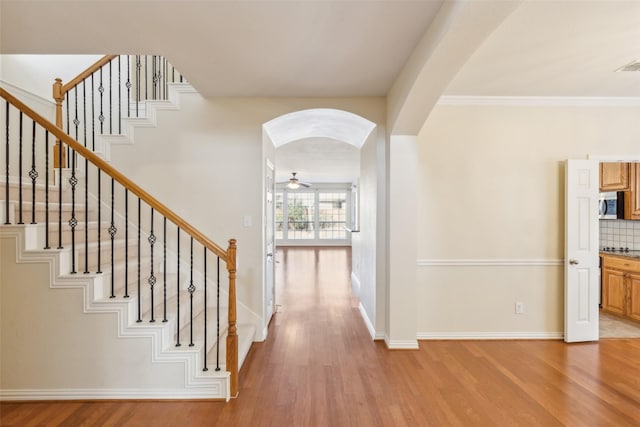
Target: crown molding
[{"x": 539, "y": 101}]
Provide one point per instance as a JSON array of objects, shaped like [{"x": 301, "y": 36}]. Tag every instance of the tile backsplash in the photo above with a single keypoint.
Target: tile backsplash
[{"x": 620, "y": 234}]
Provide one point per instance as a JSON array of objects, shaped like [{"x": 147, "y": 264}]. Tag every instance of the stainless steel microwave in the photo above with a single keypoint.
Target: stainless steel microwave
[{"x": 611, "y": 205}]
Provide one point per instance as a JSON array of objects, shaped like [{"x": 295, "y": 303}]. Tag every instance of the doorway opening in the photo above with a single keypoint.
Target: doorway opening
[
  {"x": 321, "y": 149},
  {"x": 619, "y": 249}
]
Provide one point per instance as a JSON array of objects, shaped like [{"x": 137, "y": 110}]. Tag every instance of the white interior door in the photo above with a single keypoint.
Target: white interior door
[
  {"x": 582, "y": 278},
  {"x": 270, "y": 291}
]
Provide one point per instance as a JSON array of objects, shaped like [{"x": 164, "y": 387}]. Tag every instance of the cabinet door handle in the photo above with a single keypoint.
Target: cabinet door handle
[{"x": 573, "y": 261}]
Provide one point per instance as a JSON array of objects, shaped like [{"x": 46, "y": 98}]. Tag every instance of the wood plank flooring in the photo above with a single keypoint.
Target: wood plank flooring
[{"x": 319, "y": 367}]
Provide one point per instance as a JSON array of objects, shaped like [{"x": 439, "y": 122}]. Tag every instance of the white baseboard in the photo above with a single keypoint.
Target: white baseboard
[
  {"x": 368, "y": 323},
  {"x": 401, "y": 344},
  {"x": 490, "y": 335},
  {"x": 100, "y": 394}
]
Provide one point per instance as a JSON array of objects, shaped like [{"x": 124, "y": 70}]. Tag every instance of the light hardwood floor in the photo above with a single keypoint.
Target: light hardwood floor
[{"x": 319, "y": 367}]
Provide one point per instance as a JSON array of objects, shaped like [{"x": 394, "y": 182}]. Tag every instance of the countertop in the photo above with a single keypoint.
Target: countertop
[{"x": 630, "y": 254}]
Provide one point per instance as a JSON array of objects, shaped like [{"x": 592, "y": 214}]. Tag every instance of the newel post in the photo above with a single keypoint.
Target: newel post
[
  {"x": 232, "y": 334},
  {"x": 59, "y": 157}
]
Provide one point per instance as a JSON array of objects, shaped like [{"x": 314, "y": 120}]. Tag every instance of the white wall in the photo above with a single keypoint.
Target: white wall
[
  {"x": 402, "y": 219},
  {"x": 36, "y": 73},
  {"x": 39, "y": 326},
  {"x": 490, "y": 203},
  {"x": 364, "y": 242},
  {"x": 205, "y": 161}
]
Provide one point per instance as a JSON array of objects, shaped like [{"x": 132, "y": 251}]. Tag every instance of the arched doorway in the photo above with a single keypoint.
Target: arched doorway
[{"x": 314, "y": 136}]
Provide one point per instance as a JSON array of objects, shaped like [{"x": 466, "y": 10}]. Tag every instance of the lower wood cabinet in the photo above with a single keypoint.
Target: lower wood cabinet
[
  {"x": 633, "y": 289},
  {"x": 621, "y": 286},
  {"x": 614, "y": 292}
]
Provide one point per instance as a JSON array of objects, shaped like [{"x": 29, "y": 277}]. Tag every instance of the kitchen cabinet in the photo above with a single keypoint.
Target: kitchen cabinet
[
  {"x": 632, "y": 197},
  {"x": 614, "y": 176},
  {"x": 634, "y": 296},
  {"x": 621, "y": 286},
  {"x": 614, "y": 291}
]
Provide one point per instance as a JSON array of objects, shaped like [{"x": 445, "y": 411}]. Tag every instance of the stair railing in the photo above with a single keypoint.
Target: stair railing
[
  {"x": 33, "y": 143},
  {"x": 114, "y": 87}
]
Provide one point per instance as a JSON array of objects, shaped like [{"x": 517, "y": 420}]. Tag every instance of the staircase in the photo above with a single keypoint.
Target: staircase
[{"x": 176, "y": 299}]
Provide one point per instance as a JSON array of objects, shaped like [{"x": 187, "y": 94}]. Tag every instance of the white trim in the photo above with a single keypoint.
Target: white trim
[
  {"x": 539, "y": 101},
  {"x": 368, "y": 323},
  {"x": 615, "y": 158},
  {"x": 401, "y": 344},
  {"x": 490, "y": 335},
  {"x": 489, "y": 262},
  {"x": 98, "y": 394},
  {"x": 25, "y": 95}
]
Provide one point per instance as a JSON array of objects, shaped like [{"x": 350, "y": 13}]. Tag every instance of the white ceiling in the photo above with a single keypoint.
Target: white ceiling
[
  {"x": 304, "y": 48},
  {"x": 557, "y": 48},
  {"x": 318, "y": 160}
]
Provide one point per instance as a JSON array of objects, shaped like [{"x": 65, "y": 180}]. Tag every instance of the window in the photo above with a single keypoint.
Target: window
[{"x": 313, "y": 216}]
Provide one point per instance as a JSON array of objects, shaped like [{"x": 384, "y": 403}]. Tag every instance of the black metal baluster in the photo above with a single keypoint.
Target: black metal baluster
[
  {"x": 6, "y": 186},
  {"x": 128, "y": 85},
  {"x": 20, "y": 170},
  {"x": 60, "y": 196},
  {"x": 112, "y": 232},
  {"x": 146, "y": 78},
  {"x": 99, "y": 268},
  {"x": 33, "y": 174},
  {"x": 139, "y": 294},
  {"x": 126, "y": 239},
  {"x": 218, "y": 314},
  {"x": 46, "y": 190},
  {"x": 93, "y": 117},
  {"x": 191, "y": 290},
  {"x": 110, "y": 99},
  {"x": 178, "y": 294},
  {"x": 138, "y": 68},
  {"x": 73, "y": 222},
  {"x": 76, "y": 121},
  {"x": 173, "y": 74},
  {"x": 119, "y": 96},
  {"x": 205, "y": 310},
  {"x": 86, "y": 179},
  {"x": 101, "y": 116},
  {"x": 152, "y": 277},
  {"x": 68, "y": 126},
  {"x": 164, "y": 269},
  {"x": 153, "y": 77}
]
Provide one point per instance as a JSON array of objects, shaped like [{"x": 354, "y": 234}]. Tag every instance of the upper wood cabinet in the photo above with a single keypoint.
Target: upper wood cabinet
[
  {"x": 614, "y": 176},
  {"x": 632, "y": 197}
]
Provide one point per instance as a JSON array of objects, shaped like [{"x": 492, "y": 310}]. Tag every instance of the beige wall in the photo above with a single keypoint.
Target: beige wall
[
  {"x": 36, "y": 73},
  {"x": 49, "y": 345},
  {"x": 490, "y": 192},
  {"x": 205, "y": 161}
]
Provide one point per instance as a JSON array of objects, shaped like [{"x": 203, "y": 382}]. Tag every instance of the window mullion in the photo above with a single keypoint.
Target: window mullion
[{"x": 316, "y": 215}]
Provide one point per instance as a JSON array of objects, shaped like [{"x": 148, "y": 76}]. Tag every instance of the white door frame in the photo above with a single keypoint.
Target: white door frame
[
  {"x": 269, "y": 241},
  {"x": 570, "y": 297},
  {"x": 582, "y": 281}
]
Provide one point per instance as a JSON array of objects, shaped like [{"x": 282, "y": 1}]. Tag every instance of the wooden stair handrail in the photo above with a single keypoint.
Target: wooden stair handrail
[
  {"x": 117, "y": 175},
  {"x": 87, "y": 73}
]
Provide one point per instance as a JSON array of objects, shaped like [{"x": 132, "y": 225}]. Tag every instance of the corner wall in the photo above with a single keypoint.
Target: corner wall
[{"x": 490, "y": 203}]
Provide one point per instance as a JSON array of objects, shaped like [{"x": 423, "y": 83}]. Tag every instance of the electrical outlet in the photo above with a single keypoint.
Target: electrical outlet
[{"x": 519, "y": 308}]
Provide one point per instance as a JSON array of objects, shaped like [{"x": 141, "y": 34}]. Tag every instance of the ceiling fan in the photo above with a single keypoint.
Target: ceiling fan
[{"x": 295, "y": 183}]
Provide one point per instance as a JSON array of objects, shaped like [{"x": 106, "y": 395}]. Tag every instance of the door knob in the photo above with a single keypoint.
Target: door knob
[{"x": 573, "y": 262}]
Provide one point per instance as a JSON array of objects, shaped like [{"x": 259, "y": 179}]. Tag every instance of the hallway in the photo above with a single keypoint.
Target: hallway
[{"x": 319, "y": 367}]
